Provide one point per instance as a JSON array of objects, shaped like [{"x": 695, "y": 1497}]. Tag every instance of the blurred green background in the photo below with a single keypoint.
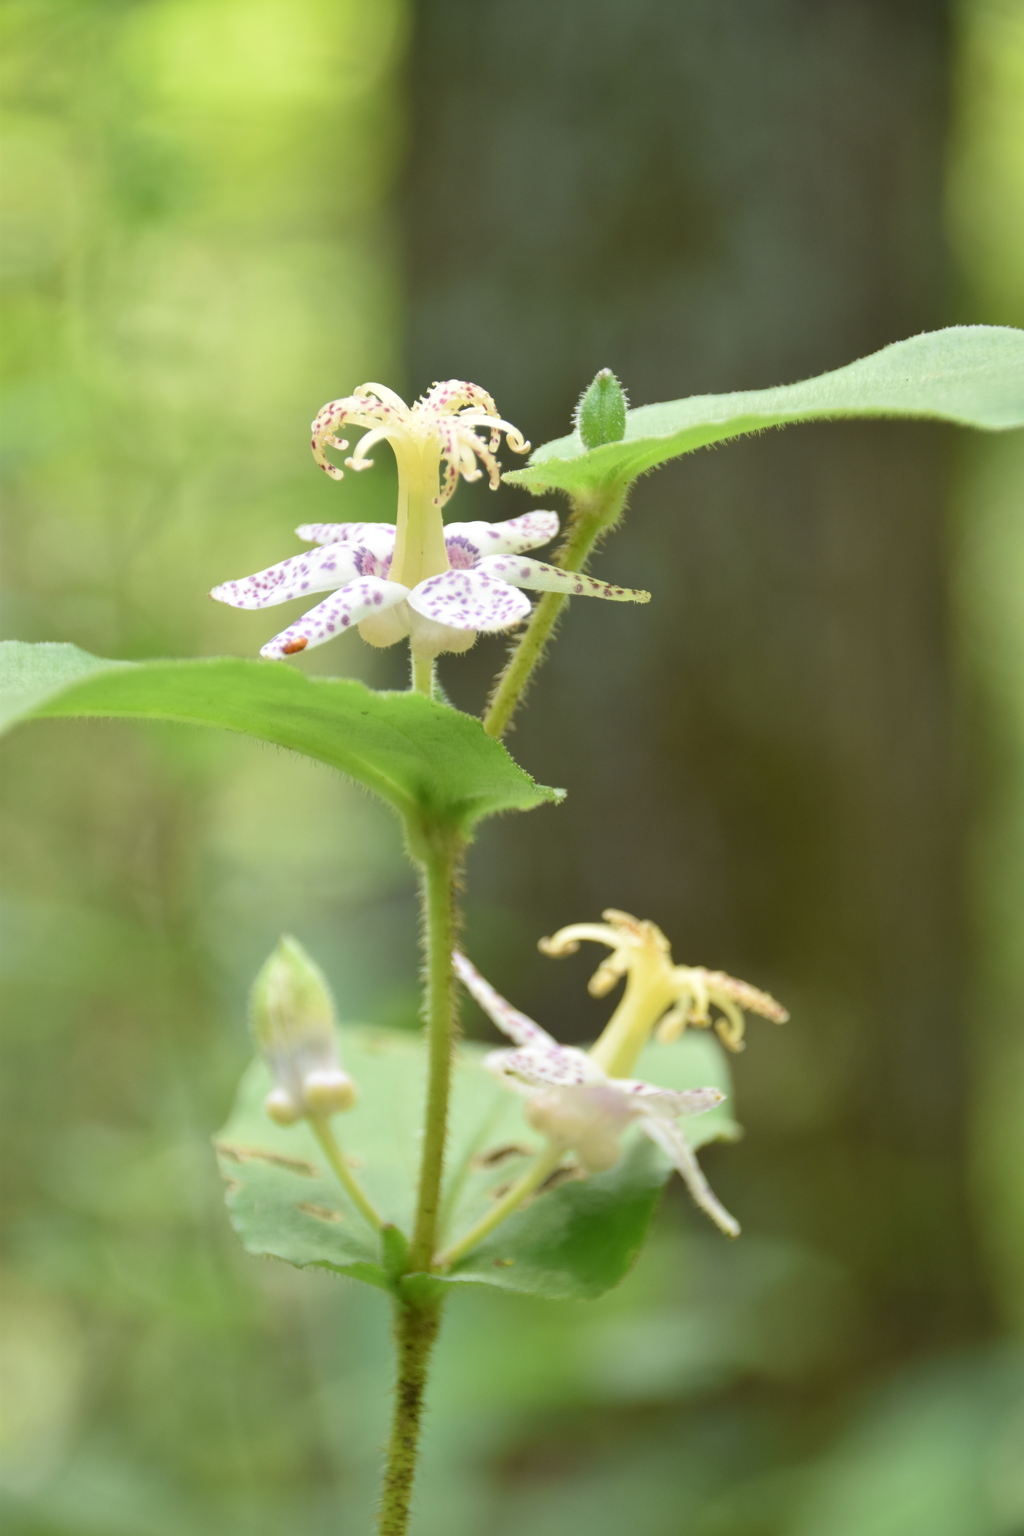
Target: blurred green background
[{"x": 805, "y": 759}]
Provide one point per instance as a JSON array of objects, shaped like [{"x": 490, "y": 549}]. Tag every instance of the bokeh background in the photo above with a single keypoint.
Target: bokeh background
[{"x": 805, "y": 759}]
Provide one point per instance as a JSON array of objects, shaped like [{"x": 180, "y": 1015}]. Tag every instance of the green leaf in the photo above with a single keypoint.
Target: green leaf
[
  {"x": 430, "y": 762},
  {"x": 971, "y": 374},
  {"x": 574, "y": 1241}
]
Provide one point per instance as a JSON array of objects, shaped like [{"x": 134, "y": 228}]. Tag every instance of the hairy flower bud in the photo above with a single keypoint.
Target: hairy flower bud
[
  {"x": 292, "y": 1017},
  {"x": 601, "y": 413}
]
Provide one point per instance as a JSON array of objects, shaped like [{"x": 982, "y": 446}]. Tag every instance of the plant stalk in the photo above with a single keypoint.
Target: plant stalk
[
  {"x": 590, "y": 519},
  {"x": 417, "y": 1319},
  {"x": 422, "y": 675},
  {"x": 535, "y": 1175},
  {"x": 416, "y": 1327},
  {"x": 325, "y": 1136},
  {"x": 440, "y": 863}
]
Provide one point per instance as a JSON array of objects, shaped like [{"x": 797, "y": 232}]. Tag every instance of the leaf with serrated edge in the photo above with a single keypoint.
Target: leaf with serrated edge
[
  {"x": 969, "y": 374},
  {"x": 428, "y": 761},
  {"x": 577, "y": 1240}
]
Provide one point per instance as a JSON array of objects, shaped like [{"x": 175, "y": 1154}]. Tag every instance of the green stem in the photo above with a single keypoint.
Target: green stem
[
  {"x": 423, "y": 675},
  {"x": 417, "y": 1321},
  {"x": 333, "y": 1153},
  {"x": 545, "y": 1165},
  {"x": 590, "y": 519},
  {"x": 440, "y": 863},
  {"x": 416, "y": 1326}
]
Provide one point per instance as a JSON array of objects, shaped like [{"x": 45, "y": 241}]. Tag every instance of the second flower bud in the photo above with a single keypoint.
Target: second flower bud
[{"x": 292, "y": 1016}]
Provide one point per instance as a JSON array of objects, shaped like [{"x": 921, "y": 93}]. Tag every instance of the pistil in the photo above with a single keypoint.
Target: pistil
[{"x": 419, "y": 534}]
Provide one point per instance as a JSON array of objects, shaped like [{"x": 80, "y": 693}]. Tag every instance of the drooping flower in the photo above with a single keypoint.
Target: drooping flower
[
  {"x": 292, "y": 1017},
  {"x": 658, "y": 992},
  {"x": 440, "y": 586},
  {"x": 578, "y": 1107}
]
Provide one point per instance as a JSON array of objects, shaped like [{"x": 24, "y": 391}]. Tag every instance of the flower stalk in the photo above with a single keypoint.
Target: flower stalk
[
  {"x": 422, "y": 669},
  {"x": 321, "y": 1128},
  {"x": 540, "y": 1169}
]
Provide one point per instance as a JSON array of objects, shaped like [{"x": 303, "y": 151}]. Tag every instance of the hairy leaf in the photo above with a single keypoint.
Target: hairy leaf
[
  {"x": 971, "y": 374},
  {"x": 430, "y": 762}
]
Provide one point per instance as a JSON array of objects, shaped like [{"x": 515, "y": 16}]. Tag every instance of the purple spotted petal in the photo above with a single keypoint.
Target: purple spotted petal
[
  {"x": 469, "y": 600},
  {"x": 508, "y": 1019},
  {"x": 317, "y": 570},
  {"x": 651, "y": 1100},
  {"x": 670, "y": 1139},
  {"x": 521, "y": 571},
  {"x": 380, "y": 537},
  {"x": 337, "y": 613},
  {"x": 554, "y": 1066},
  {"x": 469, "y": 542}
]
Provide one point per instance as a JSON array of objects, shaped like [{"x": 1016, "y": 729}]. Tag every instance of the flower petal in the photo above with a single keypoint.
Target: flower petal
[
  {"x": 652, "y": 1100},
  {"x": 670, "y": 1139},
  {"x": 521, "y": 571},
  {"x": 340, "y": 611},
  {"x": 469, "y": 600},
  {"x": 469, "y": 542},
  {"x": 551, "y": 1066},
  {"x": 508, "y": 1019},
  {"x": 315, "y": 570},
  {"x": 380, "y": 537}
]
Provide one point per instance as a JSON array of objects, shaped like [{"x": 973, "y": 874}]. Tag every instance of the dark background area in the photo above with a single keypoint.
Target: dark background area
[{"x": 766, "y": 759}]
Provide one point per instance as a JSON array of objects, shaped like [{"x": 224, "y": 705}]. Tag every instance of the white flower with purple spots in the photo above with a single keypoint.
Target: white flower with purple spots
[
  {"x": 575, "y": 1104},
  {"x": 479, "y": 591},
  {"x": 440, "y": 586}
]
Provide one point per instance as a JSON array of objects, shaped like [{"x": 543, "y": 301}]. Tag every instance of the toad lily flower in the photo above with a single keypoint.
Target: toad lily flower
[
  {"x": 579, "y": 1108},
  {"x": 440, "y": 586},
  {"x": 658, "y": 990}
]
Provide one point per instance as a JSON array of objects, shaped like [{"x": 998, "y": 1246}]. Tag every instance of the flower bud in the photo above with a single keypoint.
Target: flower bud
[
  {"x": 292, "y": 1017},
  {"x": 601, "y": 413}
]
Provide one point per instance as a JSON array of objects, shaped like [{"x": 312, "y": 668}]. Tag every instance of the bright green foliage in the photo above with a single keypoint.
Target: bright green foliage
[
  {"x": 430, "y": 762},
  {"x": 575, "y": 1241},
  {"x": 601, "y": 413},
  {"x": 971, "y": 374}
]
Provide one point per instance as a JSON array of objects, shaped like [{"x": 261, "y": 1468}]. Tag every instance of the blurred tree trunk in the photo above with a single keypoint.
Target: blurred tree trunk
[{"x": 709, "y": 196}]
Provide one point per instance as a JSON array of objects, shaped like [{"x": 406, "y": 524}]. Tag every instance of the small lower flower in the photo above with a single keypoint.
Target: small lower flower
[
  {"x": 479, "y": 593},
  {"x": 573, "y": 1102}
]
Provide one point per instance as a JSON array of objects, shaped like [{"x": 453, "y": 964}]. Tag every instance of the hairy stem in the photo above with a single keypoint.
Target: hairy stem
[
  {"x": 440, "y": 864},
  {"x": 416, "y": 1326},
  {"x": 590, "y": 519},
  {"x": 535, "y": 1175},
  {"x": 422, "y": 674},
  {"x": 334, "y": 1155},
  {"x": 417, "y": 1320}
]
